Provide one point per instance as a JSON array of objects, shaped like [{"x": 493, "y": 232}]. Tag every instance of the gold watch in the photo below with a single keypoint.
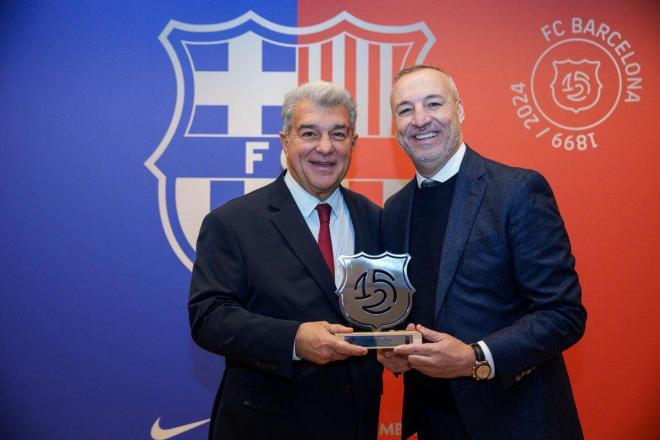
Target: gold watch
[{"x": 481, "y": 369}]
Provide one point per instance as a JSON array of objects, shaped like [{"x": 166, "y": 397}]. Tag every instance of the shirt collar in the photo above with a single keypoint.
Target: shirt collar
[
  {"x": 306, "y": 202},
  {"x": 449, "y": 170}
]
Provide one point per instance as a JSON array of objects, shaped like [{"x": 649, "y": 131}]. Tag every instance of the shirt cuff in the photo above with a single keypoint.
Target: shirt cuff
[
  {"x": 487, "y": 354},
  {"x": 295, "y": 357}
]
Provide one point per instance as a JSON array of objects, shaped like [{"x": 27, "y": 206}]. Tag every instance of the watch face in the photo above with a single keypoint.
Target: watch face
[{"x": 483, "y": 371}]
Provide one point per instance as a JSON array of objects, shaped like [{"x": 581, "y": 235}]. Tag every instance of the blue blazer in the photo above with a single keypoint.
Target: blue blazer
[
  {"x": 506, "y": 277},
  {"x": 258, "y": 275}
]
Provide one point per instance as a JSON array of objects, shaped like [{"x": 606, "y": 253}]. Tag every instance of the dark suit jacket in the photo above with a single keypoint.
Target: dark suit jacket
[
  {"x": 259, "y": 274},
  {"x": 506, "y": 277}
]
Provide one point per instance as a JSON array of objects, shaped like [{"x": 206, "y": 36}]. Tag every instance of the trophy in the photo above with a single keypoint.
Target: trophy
[{"x": 376, "y": 293}]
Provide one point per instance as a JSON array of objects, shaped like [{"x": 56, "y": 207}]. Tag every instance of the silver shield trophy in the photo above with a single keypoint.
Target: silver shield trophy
[{"x": 376, "y": 293}]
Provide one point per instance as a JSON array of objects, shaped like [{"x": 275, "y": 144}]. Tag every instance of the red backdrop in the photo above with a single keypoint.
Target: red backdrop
[{"x": 605, "y": 174}]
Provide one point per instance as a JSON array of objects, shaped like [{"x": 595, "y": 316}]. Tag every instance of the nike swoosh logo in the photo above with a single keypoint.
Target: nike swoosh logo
[{"x": 158, "y": 433}]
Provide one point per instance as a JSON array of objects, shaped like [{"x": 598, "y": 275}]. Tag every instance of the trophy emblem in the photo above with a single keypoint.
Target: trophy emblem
[{"x": 376, "y": 293}]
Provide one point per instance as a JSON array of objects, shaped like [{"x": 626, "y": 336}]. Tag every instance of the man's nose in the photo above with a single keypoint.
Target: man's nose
[
  {"x": 420, "y": 118},
  {"x": 325, "y": 144}
]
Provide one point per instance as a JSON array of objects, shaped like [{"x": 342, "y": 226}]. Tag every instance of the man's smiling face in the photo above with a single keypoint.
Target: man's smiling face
[
  {"x": 427, "y": 116},
  {"x": 318, "y": 147}
]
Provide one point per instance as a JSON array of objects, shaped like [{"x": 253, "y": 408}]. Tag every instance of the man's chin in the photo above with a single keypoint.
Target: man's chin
[
  {"x": 325, "y": 187},
  {"x": 429, "y": 166}
]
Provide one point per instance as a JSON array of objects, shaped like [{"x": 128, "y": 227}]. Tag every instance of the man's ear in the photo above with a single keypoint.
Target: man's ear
[
  {"x": 460, "y": 111},
  {"x": 284, "y": 140},
  {"x": 355, "y": 138}
]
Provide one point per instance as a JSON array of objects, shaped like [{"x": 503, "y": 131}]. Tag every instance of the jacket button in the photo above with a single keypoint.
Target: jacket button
[{"x": 348, "y": 389}]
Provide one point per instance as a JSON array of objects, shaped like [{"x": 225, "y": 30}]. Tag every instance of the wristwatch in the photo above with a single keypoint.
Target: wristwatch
[{"x": 481, "y": 369}]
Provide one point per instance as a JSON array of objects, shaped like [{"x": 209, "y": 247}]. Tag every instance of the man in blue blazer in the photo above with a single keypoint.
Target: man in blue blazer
[
  {"x": 497, "y": 297},
  {"x": 263, "y": 290}
]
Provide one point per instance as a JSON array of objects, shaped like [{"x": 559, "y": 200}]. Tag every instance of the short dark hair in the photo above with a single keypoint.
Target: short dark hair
[{"x": 415, "y": 67}]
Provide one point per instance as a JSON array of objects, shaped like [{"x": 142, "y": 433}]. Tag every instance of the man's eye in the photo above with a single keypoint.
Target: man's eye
[
  {"x": 404, "y": 111},
  {"x": 435, "y": 104},
  {"x": 308, "y": 135},
  {"x": 339, "y": 135}
]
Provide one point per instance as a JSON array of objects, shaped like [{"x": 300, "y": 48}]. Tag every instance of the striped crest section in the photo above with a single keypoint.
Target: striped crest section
[{"x": 362, "y": 57}]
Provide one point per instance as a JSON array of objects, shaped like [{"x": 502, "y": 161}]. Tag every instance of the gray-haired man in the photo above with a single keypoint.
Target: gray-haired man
[{"x": 262, "y": 290}]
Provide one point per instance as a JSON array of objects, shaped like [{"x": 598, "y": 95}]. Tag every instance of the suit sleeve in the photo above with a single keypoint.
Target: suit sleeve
[
  {"x": 544, "y": 271},
  {"x": 219, "y": 317}
]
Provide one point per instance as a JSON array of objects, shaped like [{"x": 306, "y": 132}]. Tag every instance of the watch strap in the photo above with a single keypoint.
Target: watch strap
[{"x": 478, "y": 352}]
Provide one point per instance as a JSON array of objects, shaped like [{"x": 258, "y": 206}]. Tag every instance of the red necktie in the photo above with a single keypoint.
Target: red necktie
[{"x": 325, "y": 242}]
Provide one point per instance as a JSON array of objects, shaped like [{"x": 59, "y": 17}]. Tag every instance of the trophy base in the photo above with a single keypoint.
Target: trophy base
[{"x": 388, "y": 339}]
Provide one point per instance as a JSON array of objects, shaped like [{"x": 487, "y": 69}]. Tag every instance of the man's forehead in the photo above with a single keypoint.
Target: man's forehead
[
  {"x": 310, "y": 114},
  {"x": 421, "y": 84}
]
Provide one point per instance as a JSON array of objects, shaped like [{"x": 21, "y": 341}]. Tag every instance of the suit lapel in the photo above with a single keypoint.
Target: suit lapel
[
  {"x": 290, "y": 223},
  {"x": 401, "y": 242},
  {"x": 469, "y": 192},
  {"x": 359, "y": 221}
]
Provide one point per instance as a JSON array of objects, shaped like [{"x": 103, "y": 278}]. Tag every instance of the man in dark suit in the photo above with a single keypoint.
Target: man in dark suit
[
  {"x": 263, "y": 290},
  {"x": 497, "y": 297}
]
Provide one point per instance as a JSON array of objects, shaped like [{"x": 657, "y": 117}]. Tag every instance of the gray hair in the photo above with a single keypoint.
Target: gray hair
[
  {"x": 410, "y": 69},
  {"x": 319, "y": 94}
]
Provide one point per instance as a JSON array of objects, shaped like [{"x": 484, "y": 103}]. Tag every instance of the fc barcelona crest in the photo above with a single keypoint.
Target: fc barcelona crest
[
  {"x": 576, "y": 85},
  {"x": 231, "y": 78}
]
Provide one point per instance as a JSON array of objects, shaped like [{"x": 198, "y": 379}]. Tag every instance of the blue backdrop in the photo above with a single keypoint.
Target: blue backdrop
[{"x": 95, "y": 337}]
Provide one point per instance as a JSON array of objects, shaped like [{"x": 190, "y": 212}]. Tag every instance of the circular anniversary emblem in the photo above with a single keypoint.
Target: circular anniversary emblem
[{"x": 576, "y": 84}]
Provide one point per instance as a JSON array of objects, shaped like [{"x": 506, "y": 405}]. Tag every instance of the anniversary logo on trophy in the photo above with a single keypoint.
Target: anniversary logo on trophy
[{"x": 376, "y": 293}]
